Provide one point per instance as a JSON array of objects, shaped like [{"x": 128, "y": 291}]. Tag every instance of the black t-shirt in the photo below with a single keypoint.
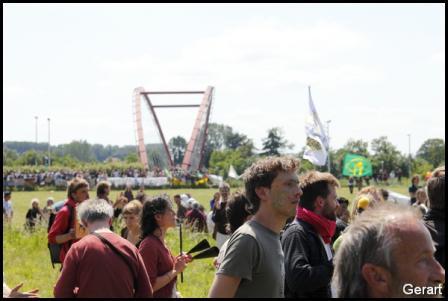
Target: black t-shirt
[
  {"x": 413, "y": 188},
  {"x": 32, "y": 213}
]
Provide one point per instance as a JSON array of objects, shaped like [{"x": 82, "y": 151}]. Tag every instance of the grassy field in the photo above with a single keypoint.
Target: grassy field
[{"x": 26, "y": 257}]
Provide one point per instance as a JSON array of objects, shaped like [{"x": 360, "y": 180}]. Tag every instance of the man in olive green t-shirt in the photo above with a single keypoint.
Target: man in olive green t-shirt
[{"x": 253, "y": 265}]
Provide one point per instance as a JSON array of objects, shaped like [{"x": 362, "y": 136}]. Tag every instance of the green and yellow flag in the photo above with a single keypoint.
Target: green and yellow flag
[{"x": 356, "y": 166}]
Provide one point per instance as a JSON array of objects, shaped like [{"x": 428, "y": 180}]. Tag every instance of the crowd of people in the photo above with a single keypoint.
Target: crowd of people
[
  {"x": 19, "y": 180},
  {"x": 285, "y": 235}
]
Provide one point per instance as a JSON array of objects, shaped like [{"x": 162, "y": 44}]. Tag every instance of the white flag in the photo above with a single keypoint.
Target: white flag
[{"x": 316, "y": 141}]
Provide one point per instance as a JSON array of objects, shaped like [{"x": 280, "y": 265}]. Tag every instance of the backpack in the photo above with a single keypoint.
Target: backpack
[{"x": 55, "y": 249}]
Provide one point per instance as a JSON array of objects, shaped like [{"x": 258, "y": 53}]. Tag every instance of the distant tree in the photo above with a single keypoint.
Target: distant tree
[
  {"x": 131, "y": 158},
  {"x": 220, "y": 161},
  {"x": 216, "y": 140},
  {"x": 234, "y": 140},
  {"x": 100, "y": 153},
  {"x": 358, "y": 147},
  {"x": 385, "y": 154},
  {"x": 80, "y": 150},
  {"x": 22, "y": 146},
  {"x": 433, "y": 151},
  {"x": 420, "y": 166},
  {"x": 247, "y": 148},
  {"x": 177, "y": 146},
  {"x": 31, "y": 157},
  {"x": 275, "y": 142},
  {"x": 9, "y": 156}
]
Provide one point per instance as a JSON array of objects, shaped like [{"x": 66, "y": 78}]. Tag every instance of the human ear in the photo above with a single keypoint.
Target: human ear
[
  {"x": 262, "y": 192},
  {"x": 377, "y": 278},
  {"x": 319, "y": 203}
]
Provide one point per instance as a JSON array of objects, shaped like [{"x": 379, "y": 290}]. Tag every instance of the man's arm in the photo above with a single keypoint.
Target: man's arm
[
  {"x": 56, "y": 233},
  {"x": 224, "y": 286}
]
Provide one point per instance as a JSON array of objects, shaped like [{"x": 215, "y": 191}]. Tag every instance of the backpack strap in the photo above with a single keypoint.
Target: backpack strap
[
  {"x": 70, "y": 220},
  {"x": 113, "y": 248}
]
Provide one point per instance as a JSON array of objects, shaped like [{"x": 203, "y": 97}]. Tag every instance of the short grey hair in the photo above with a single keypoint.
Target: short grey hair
[
  {"x": 95, "y": 210},
  {"x": 223, "y": 185},
  {"x": 369, "y": 239}
]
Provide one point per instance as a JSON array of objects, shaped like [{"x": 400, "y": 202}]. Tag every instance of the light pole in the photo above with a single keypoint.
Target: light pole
[
  {"x": 48, "y": 142},
  {"x": 410, "y": 158},
  {"x": 35, "y": 117},
  {"x": 328, "y": 144}
]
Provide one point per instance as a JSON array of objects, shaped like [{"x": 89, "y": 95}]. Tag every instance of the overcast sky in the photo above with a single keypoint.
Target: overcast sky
[{"x": 374, "y": 69}]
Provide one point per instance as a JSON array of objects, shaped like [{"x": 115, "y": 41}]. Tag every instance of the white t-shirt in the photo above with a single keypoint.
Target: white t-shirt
[
  {"x": 7, "y": 207},
  {"x": 327, "y": 248}
]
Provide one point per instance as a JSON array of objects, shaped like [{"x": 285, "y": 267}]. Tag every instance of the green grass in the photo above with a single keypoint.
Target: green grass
[{"x": 26, "y": 257}]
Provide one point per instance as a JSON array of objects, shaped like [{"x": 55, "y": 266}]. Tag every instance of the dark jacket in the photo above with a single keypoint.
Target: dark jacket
[
  {"x": 340, "y": 227},
  {"x": 307, "y": 269},
  {"x": 219, "y": 217},
  {"x": 435, "y": 222}
]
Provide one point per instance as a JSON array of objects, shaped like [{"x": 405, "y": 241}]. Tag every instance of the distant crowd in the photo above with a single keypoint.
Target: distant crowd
[{"x": 19, "y": 180}]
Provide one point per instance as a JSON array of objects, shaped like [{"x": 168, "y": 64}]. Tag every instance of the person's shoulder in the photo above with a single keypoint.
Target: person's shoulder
[
  {"x": 241, "y": 240},
  {"x": 119, "y": 241},
  {"x": 149, "y": 240},
  {"x": 296, "y": 228}
]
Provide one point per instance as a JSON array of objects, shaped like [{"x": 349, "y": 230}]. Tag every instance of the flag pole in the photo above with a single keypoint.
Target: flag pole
[
  {"x": 328, "y": 141},
  {"x": 180, "y": 239}
]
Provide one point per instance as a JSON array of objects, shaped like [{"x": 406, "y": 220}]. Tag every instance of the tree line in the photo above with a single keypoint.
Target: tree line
[{"x": 225, "y": 147}]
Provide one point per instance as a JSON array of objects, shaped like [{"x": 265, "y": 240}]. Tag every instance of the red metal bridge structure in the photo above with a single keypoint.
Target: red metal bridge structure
[{"x": 194, "y": 152}]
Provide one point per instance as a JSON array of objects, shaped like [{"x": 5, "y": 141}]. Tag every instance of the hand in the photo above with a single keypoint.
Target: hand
[
  {"x": 187, "y": 257},
  {"x": 215, "y": 262},
  {"x": 72, "y": 233},
  {"x": 16, "y": 294},
  {"x": 179, "y": 264}
]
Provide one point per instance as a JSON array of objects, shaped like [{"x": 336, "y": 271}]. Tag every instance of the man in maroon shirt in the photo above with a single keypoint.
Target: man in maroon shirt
[
  {"x": 61, "y": 232},
  {"x": 195, "y": 219},
  {"x": 103, "y": 264}
]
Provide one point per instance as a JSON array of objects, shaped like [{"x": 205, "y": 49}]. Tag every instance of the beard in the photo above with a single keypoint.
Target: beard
[{"x": 329, "y": 213}]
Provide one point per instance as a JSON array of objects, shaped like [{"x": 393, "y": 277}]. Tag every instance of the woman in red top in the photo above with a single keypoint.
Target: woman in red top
[{"x": 162, "y": 267}]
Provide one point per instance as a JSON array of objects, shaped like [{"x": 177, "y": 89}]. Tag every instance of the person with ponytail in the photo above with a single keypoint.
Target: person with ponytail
[
  {"x": 306, "y": 241},
  {"x": 157, "y": 217}
]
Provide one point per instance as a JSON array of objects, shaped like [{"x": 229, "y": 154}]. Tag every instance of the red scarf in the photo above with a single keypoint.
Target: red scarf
[{"x": 322, "y": 225}]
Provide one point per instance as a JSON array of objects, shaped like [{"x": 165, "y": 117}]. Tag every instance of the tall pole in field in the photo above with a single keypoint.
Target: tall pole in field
[
  {"x": 35, "y": 117},
  {"x": 49, "y": 161},
  {"x": 328, "y": 141},
  {"x": 180, "y": 239},
  {"x": 410, "y": 158}
]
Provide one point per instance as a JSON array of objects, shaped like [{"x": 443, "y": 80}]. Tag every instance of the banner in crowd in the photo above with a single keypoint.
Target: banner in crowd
[
  {"x": 356, "y": 166},
  {"x": 316, "y": 141},
  {"x": 137, "y": 182}
]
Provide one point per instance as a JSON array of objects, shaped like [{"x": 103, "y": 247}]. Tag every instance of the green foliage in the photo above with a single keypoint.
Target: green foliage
[
  {"x": 275, "y": 141},
  {"x": 31, "y": 157},
  {"x": 420, "y": 167},
  {"x": 220, "y": 161},
  {"x": 9, "y": 156},
  {"x": 131, "y": 158},
  {"x": 177, "y": 146},
  {"x": 385, "y": 154},
  {"x": 222, "y": 137},
  {"x": 433, "y": 151},
  {"x": 80, "y": 150}
]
